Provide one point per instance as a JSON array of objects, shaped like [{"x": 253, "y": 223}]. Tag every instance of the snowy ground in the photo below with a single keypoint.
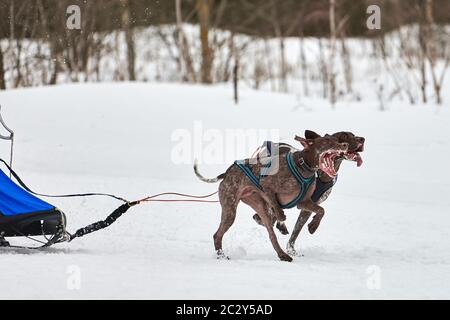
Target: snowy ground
[{"x": 388, "y": 220}]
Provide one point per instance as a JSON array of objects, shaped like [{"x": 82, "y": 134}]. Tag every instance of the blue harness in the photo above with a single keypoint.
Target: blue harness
[{"x": 304, "y": 183}]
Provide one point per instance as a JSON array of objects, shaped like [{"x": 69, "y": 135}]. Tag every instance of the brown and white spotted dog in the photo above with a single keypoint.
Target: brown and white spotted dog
[
  {"x": 276, "y": 189},
  {"x": 324, "y": 181}
]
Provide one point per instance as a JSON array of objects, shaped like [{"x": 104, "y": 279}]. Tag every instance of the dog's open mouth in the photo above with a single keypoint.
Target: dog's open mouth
[
  {"x": 326, "y": 162},
  {"x": 355, "y": 156}
]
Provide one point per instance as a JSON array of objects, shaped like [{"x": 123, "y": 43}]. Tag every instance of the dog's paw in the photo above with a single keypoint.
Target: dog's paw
[
  {"x": 292, "y": 252},
  {"x": 257, "y": 219},
  {"x": 281, "y": 216},
  {"x": 312, "y": 226},
  {"x": 285, "y": 257},
  {"x": 281, "y": 226},
  {"x": 221, "y": 255}
]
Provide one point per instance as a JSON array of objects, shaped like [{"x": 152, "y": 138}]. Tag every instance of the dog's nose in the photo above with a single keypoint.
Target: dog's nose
[{"x": 361, "y": 140}]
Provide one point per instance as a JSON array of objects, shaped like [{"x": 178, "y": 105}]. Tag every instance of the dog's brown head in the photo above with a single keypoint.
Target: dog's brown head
[
  {"x": 320, "y": 152},
  {"x": 355, "y": 144}
]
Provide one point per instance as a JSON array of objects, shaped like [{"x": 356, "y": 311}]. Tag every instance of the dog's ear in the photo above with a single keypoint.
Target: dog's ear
[
  {"x": 304, "y": 142},
  {"x": 309, "y": 134}
]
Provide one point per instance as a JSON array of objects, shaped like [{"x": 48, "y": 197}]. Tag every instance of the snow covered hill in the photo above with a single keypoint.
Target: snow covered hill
[{"x": 385, "y": 233}]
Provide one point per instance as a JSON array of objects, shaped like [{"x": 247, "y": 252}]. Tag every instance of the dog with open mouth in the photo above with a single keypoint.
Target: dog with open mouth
[
  {"x": 325, "y": 180},
  {"x": 292, "y": 184}
]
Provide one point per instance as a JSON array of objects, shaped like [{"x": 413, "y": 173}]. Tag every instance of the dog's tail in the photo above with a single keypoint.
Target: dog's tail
[{"x": 208, "y": 180}]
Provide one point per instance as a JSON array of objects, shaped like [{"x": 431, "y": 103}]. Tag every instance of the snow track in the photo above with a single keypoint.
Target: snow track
[{"x": 385, "y": 233}]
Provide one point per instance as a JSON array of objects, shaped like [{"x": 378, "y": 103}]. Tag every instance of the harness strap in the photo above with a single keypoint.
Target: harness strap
[
  {"x": 304, "y": 183},
  {"x": 249, "y": 173},
  {"x": 64, "y": 235},
  {"x": 23, "y": 185}
]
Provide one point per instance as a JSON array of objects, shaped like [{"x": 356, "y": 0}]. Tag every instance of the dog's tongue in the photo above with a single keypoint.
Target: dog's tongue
[{"x": 359, "y": 160}]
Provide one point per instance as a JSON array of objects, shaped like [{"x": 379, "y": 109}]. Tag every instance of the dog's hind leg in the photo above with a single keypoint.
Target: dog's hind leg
[
  {"x": 262, "y": 209},
  {"x": 229, "y": 207},
  {"x": 266, "y": 219},
  {"x": 301, "y": 220}
]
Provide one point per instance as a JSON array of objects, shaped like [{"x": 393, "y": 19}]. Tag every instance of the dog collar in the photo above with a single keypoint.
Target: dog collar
[{"x": 302, "y": 163}]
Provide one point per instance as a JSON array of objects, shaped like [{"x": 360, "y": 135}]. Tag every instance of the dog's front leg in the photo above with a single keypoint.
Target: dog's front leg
[
  {"x": 308, "y": 205},
  {"x": 301, "y": 220}
]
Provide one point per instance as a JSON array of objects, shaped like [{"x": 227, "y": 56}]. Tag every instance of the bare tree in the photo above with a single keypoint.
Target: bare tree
[
  {"x": 235, "y": 54},
  {"x": 422, "y": 55},
  {"x": 2, "y": 70},
  {"x": 323, "y": 70},
  {"x": 203, "y": 13},
  {"x": 275, "y": 20},
  {"x": 431, "y": 52},
  {"x": 346, "y": 63},
  {"x": 52, "y": 42},
  {"x": 15, "y": 44},
  {"x": 269, "y": 64},
  {"x": 331, "y": 71},
  {"x": 129, "y": 39},
  {"x": 183, "y": 46}
]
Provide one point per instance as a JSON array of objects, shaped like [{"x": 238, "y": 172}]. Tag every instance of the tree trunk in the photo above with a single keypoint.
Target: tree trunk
[
  {"x": 235, "y": 72},
  {"x": 52, "y": 42},
  {"x": 431, "y": 49},
  {"x": 284, "y": 71},
  {"x": 2, "y": 71},
  {"x": 203, "y": 12},
  {"x": 183, "y": 46},
  {"x": 422, "y": 57},
  {"x": 331, "y": 73},
  {"x": 129, "y": 39},
  {"x": 269, "y": 65},
  {"x": 323, "y": 70},
  {"x": 347, "y": 63},
  {"x": 303, "y": 66},
  {"x": 236, "y": 80}
]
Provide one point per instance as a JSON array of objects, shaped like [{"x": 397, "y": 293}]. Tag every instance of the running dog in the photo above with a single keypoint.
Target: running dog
[
  {"x": 324, "y": 181},
  {"x": 292, "y": 184}
]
